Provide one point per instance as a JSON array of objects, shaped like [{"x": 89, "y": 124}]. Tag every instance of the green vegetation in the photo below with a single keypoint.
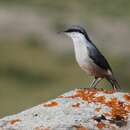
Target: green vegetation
[{"x": 107, "y": 8}]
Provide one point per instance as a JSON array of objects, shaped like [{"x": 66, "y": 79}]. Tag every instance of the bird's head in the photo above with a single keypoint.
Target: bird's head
[{"x": 75, "y": 32}]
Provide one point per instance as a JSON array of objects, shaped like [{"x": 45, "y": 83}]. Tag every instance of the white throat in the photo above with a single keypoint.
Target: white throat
[
  {"x": 77, "y": 37},
  {"x": 80, "y": 47}
]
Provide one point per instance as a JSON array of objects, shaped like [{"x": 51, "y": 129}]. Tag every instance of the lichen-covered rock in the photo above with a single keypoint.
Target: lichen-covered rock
[{"x": 81, "y": 109}]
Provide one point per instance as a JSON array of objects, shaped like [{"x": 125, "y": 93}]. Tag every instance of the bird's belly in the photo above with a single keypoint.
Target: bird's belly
[
  {"x": 86, "y": 64},
  {"x": 83, "y": 59},
  {"x": 91, "y": 68}
]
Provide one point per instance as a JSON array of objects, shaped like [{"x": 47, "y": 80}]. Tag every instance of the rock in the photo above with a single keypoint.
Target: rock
[{"x": 80, "y": 109}]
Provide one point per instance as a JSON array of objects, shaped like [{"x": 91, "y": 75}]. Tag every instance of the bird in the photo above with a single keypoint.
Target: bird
[{"x": 89, "y": 58}]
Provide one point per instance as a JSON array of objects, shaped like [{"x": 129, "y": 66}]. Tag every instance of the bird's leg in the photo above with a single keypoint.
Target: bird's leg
[
  {"x": 95, "y": 82},
  {"x": 114, "y": 84},
  {"x": 92, "y": 83}
]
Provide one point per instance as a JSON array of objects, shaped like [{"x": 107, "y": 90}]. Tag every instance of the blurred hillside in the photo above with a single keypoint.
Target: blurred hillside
[{"x": 37, "y": 64}]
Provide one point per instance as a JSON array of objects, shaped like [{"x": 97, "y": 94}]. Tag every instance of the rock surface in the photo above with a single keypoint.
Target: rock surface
[{"x": 80, "y": 109}]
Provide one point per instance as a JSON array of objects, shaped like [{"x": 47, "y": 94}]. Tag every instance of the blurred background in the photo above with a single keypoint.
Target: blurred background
[{"x": 37, "y": 64}]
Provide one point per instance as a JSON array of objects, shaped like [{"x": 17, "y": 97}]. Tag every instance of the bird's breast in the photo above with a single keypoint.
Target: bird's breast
[
  {"x": 82, "y": 55},
  {"x": 86, "y": 63},
  {"x": 81, "y": 46}
]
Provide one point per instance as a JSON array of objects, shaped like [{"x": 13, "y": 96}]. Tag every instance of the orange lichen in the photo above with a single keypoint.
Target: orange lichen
[
  {"x": 80, "y": 127},
  {"x": 108, "y": 91},
  {"x": 77, "y": 105},
  {"x": 51, "y": 104},
  {"x": 112, "y": 102},
  {"x": 98, "y": 109},
  {"x": 127, "y": 97},
  {"x": 101, "y": 99},
  {"x": 118, "y": 110},
  {"x": 101, "y": 125},
  {"x": 13, "y": 122},
  {"x": 84, "y": 94},
  {"x": 61, "y": 96},
  {"x": 41, "y": 128},
  {"x": 128, "y": 107},
  {"x": 88, "y": 95}
]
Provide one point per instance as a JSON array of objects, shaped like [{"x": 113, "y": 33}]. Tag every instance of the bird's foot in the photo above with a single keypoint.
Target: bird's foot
[
  {"x": 115, "y": 89},
  {"x": 92, "y": 88}
]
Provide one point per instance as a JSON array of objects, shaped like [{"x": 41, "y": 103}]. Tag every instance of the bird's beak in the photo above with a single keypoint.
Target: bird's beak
[{"x": 61, "y": 32}]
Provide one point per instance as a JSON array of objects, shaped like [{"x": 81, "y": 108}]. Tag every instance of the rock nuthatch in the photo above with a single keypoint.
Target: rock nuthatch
[{"x": 90, "y": 58}]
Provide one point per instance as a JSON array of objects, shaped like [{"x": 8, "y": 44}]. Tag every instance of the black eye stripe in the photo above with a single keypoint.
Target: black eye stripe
[
  {"x": 79, "y": 31},
  {"x": 74, "y": 30}
]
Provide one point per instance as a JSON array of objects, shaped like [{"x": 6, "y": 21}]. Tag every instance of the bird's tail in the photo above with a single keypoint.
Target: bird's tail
[{"x": 114, "y": 83}]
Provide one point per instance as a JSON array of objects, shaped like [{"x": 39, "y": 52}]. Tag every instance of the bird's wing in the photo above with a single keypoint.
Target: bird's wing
[{"x": 98, "y": 58}]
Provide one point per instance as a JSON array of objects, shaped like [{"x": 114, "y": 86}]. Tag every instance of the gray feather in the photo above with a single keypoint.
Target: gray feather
[{"x": 98, "y": 58}]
